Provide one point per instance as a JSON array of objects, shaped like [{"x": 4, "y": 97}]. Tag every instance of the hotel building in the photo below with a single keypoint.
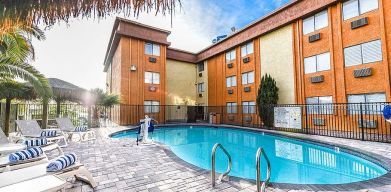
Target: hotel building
[{"x": 318, "y": 51}]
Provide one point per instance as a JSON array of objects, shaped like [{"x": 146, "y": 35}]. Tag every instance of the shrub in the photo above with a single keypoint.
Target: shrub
[{"x": 266, "y": 98}]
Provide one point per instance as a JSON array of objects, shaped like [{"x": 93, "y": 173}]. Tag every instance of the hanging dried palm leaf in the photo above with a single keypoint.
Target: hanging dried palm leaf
[{"x": 51, "y": 11}]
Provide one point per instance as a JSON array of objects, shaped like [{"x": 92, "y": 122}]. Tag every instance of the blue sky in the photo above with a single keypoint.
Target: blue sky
[{"x": 75, "y": 51}]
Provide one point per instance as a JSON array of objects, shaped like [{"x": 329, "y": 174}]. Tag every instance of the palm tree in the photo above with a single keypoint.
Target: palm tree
[
  {"x": 15, "y": 51},
  {"x": 102, "y": 101},
  {"x": 13, "y": 90}
]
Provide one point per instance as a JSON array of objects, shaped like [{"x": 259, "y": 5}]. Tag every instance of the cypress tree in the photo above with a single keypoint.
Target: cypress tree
[{"x": 266, "y": 99}]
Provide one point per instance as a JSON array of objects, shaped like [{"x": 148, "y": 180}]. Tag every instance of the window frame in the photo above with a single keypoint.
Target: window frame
[
  {"x": 317, "y": 63},
  {"x": 362, "y": 53},
  {"x": 153, "y": 47},
  {"x": 231, "y": 78},
  {"x": 230, "y": 53},
  {"x": 201, "y": 87},
  {"x": 246, "y": 45},
  {"x": 319, "y": 108},
  {"x": 201, "y": 69},
  {"x": 152, "y": 107},
  {"x": 153, "y": 79},
  {"x": 247, "y": 108},
  {"x": 232, "y": 107},
  {"x": 246, "y": 74},
  {"x": 313, "y": 20},
  {"x": 354, "y": 107},
  {"x": 359, "y": 9}
]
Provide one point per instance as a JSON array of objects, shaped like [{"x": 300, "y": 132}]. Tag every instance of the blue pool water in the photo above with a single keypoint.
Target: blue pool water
[{"x": 292, "y": 161}]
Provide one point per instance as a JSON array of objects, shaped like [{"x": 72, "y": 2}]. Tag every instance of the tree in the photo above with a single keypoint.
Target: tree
[
  {"x": 15, "y": 51},
  {"x": 13, "y": 90},
  {"x": 101, "y": 100},
  {"x": 266, "y": 98}
]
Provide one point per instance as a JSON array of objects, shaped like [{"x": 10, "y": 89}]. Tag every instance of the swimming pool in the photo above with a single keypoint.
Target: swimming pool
[{"x": 292, "y": 161}]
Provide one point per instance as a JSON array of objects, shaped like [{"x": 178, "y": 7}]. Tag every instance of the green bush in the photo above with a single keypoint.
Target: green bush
[{"x": 267, "y": 97}]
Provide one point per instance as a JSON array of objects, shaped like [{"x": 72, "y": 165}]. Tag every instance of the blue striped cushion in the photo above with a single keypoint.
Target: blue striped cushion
[
  {"x": 81, "y": 128},
  {"x": 51, "y": 133},
  {"x": 61, "y": 162},
  {"x": 25, "y": 154},
  {"x": 35, "y": 142}
]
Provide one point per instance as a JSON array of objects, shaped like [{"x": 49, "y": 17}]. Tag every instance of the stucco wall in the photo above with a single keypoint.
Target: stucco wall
[
  {"x": 180, "y": 82},
  {"x": 277, "y": 60}
]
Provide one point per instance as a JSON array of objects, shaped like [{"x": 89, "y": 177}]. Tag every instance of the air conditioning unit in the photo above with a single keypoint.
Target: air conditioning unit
[
  {"x": 200, "y": 95},
  {"x": 152, "y": 59},
  {"x": 319, "y": 122},
  {"x": 247, "y": 89},
  {"x": 317, "y": 79},
  {"x": 247, "y": 118},
  {"x": 314, "y": 38},
  {"x": 230, "y": 91},
  {"x": 359, "y": 23},
  {"x": 231, "y": 117},
  {"x": 246, "y": 60},
  {"x": 366, "y": 72},
  {"x": 372, "y": 124},
  {"x": 200, "y": 74},
  {"x": 230, "y": 65}
]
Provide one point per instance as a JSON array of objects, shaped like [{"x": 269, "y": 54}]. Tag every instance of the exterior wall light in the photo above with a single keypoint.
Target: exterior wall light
[{"x": 133, "y": 68}]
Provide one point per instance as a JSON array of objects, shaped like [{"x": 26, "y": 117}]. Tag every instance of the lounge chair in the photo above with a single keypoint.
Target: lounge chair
[
  {"x": 31, "y": 129},
  {"x": 7, "y": 147},
  {"x": 76, "y": 170},
  {"x": 66, "y": 125},
  {"x": 7, "y": 165},
  {"x": 46, "y": 183}
]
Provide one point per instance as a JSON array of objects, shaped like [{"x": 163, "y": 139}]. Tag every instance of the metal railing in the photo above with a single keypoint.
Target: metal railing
[
  {"x": 225, "y": 174},
  {"x": 262, "y": 187},
  {"x": 360, "y": 121}
]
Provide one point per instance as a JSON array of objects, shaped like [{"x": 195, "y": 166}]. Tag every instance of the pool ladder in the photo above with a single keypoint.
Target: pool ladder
[
  {"x": 262, "y": 187},
  {"x": 225, "y": 174},
  {"x": 260, "y": 152}
]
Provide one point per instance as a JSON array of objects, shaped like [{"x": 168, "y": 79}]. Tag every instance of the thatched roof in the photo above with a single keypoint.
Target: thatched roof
[
  {"x": 51, "y": 11},
  {"x": 61, "y": 84}
]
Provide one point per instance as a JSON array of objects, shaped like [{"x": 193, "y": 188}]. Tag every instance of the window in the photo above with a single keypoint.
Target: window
[
  {"x": 248, "y": 107},
  {"x": 201, "y": 87},
  {"x": 231, "y": 81},
  {"x": 151, "y": 106},
  {"x": 247, "y": 49},
  {"x": 152, "y": 78},
  {"x": 152, "y": 49},
  {"x": 319, "y": 105},
  {"x": 354, "y": 8},
  {"x": 201, "y": 67},
  {"x": 317, "y": 63},
  {"x": 364, "y": 53},
  {"x": 316, "y": 22},
  {"x": 230, "y": 56},
  {"x": 232, "y": 107},
  {"x": 248, "y": 78},
  {"x": 356, "y": 100}
]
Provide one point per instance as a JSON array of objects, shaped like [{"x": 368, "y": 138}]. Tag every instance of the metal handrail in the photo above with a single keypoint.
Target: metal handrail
[
  {"x": 262, "y": 188},
  {"x": 225, "y": 174}
]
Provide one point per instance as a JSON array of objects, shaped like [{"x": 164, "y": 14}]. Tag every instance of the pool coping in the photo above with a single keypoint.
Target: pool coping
[{"x": 375, "y": 158}]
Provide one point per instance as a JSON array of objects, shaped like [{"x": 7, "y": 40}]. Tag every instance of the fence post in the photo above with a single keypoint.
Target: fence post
[
  {"x": 306, "y": 120},
  {"x": 361, "y": 122},
  {"x": 89, "y": 110}
]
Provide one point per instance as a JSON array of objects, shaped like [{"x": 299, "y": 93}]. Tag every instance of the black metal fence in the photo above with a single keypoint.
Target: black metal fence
[{"x": 361, "y": 121}]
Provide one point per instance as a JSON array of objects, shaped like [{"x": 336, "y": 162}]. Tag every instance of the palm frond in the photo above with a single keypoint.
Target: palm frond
[
  {"x": 49, "y": 12},
  {"x": 28, "y": 73}
]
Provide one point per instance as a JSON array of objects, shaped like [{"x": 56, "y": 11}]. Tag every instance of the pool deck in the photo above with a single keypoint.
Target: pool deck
[{"x": 121, "y": 165}]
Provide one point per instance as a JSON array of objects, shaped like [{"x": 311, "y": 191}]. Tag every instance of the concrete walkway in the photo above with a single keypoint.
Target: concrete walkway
[{"x": 120, "y": 165}]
